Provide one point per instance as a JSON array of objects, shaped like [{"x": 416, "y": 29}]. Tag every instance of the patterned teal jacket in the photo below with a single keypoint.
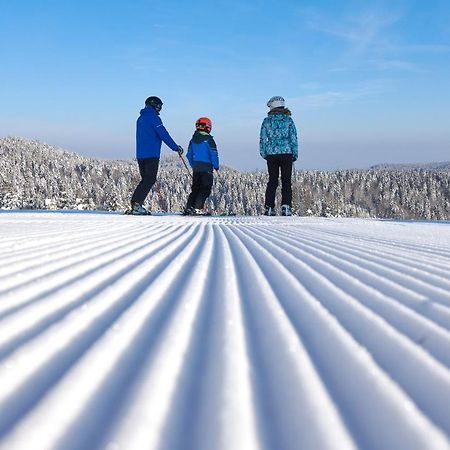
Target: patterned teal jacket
[{"x": 278, "y": 134}]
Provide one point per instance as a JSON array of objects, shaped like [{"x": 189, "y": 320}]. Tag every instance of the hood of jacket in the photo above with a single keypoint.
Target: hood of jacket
[
  {"x": 280, "y": 110},
  {"x": 148, "y": 110},
  {"x": 200, "y": 136}
]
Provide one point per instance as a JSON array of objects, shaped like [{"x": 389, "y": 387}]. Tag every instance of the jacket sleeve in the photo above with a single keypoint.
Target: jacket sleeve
[
  {"x": 164, "y": 135},
  {"x": 263, "y": 140},
  {"x": 214, "y": 154},
  {"x": 293, "y": 140},
  {"x": 189, "y": 155}
]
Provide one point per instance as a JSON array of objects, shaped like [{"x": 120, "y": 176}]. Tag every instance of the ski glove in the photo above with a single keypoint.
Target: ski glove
[{"x": 180, "y": 150}]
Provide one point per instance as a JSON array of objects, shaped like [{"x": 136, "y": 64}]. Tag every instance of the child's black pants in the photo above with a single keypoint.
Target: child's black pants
[{"x": 201, "y": 189}]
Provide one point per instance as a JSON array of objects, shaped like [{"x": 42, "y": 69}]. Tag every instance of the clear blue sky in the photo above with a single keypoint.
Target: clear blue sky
[{"x": 367, "y": 82}]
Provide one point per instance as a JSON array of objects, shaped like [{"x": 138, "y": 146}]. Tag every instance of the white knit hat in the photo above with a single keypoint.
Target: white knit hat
[{"x": 275, "y": 102}]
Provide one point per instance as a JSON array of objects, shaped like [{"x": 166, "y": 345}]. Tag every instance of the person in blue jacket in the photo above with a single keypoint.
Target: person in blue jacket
[
  {"x": 203, "y": 157},
  {"x": 278, "y": 145},
  {"x": 150, "y": 133}
]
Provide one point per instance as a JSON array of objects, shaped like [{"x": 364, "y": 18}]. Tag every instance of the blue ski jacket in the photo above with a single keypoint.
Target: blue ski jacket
[
  {"x": 202, "y": 152},
  {"x": 150, "y": 133},
  {"x": 278, "y": 134}
]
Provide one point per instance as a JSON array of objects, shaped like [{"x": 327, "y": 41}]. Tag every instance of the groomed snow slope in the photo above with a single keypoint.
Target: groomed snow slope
[{"x": 130, "y": 333}]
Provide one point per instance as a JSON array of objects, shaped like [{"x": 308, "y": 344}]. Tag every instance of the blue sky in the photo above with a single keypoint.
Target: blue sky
[{"x": 367, "y": 82}]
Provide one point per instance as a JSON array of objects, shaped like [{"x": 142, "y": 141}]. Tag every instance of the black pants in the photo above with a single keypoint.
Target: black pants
[
  {"x": 148, "y": 168},
  {"x": 201, "y": 188},
  {"x": 275, "y": 164}
]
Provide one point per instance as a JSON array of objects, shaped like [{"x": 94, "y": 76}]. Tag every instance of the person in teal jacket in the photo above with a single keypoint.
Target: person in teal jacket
[{"x": 278, "y": 145}]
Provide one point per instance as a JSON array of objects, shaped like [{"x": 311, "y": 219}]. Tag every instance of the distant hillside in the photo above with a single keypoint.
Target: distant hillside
[
  {"x": 35, "y": 175},
  {"x": 443, "y": 166}
]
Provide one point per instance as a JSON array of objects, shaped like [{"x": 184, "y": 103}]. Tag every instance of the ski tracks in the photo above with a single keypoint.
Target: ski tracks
[{"x": 166, "y": 332}]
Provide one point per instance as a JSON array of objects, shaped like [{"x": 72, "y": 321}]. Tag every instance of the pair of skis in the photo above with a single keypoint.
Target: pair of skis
[{"x": 129, "y": 212}]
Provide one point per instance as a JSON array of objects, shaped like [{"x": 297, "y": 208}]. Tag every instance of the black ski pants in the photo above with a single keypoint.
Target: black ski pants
[
  {"x": 148, "y": 168},
  {"x": 201, "y": 189},
  {"x": 276, "y": 164}
]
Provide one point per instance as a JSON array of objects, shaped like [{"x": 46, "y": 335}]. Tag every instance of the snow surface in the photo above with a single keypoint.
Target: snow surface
[{"x": 165, "y": 332}]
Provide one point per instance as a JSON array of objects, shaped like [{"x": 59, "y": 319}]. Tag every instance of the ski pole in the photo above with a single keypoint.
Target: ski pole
[
  {"x": 185, "y": 165},
  {"x": 297, "y": 190}
]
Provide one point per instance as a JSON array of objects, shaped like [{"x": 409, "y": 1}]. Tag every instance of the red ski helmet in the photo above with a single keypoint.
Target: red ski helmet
[{"x": 203, "y": 124}]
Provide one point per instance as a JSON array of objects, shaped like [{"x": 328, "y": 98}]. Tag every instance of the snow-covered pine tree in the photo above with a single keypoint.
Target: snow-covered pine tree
[{"x": 37, "y": 175}]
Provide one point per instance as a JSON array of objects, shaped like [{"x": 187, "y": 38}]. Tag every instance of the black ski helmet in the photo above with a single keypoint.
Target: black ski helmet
[{"x": 156, "y": 102}]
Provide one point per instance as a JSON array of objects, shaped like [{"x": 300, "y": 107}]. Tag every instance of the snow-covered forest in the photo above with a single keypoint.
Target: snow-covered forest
[{"x": 35, "y": 175}]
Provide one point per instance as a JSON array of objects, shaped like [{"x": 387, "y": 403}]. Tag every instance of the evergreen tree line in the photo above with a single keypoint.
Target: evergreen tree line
[{"x": 34, "y": 175}]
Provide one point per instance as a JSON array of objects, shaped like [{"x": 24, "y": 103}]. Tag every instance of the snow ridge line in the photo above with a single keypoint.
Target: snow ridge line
[
  {"x": 408, "y": 270},
  {"x": 60, "y": 235},
  {"x": 423, "y": 249},
  {"x": 76, "y": 335},
  {"x": 148, "y": 340},
  {"x": 31, "y": 319},
  {"x": 420, "y": 259},
  {"x": 198, "y": 313},
  {"x": 419, "y": 329},
  {"x": 44, "y": 265},
  {"x": 59, "y": 275},
  {"x": 381, "y": 285},
  {"x": 389, "y": 398},
  {"x": 398, "y": 258},
  {"x": 222, "y": 333},
  {"x": 86, "y": 239},
  {"x": 305, "y": 415},
  {"x": 432, "y": 306},
  {"x": 68, "y": 239}
]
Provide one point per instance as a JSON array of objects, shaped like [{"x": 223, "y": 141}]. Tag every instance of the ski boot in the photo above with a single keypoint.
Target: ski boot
[
  {"x": 286, "y": 210},
  {"x": 270, "y": 211},
  {"x": 189, "y": 211},
  {"x": 201, "y": 212},
  {"x": 138, "y": 210}
]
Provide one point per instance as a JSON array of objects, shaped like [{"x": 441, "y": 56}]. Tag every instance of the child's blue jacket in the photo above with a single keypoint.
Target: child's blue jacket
[{"x": 202, "y": 152}]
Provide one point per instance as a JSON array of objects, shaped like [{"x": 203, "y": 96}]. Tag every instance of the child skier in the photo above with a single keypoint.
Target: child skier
[{"x": 203, "y": 157}]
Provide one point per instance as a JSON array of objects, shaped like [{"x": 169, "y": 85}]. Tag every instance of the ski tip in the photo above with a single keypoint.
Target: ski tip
[{"x": 131, "y": 213}]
